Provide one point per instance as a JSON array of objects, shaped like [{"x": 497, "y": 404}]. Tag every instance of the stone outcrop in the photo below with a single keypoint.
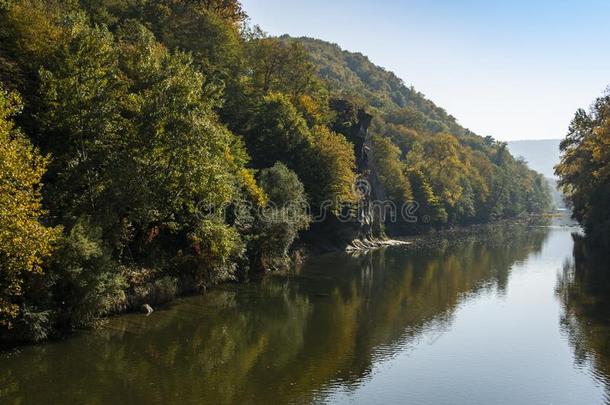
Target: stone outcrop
[{"x": 360, "y": 228}]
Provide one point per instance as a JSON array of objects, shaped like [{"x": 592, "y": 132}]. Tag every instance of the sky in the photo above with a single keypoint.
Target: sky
[{"x": 510, "y": 69}]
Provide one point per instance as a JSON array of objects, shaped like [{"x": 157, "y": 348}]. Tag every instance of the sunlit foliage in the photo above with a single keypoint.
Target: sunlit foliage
[
  {"x": 584, "y": 169},
  {"x": 25, "y": 243}
]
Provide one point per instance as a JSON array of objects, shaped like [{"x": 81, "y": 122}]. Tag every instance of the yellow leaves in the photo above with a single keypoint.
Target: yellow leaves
[
  {"x": 245, "y": 177},
  {"x": 334, "y": 159},
  {"x": 216, "y": 243},
  {"x": 390, "y": 170},
  {"x": 33, "y": 23},
  {"x": 256, "y": 193},
  {"x": 445, "y": 167},
  {"x": 314, "y": 111},
  {"x": 600, "y": 150},
  {"x": 8, "y": 311},
  {"x": 24, "y": 241}
]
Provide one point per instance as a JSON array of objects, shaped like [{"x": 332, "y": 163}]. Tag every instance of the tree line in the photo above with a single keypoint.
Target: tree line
[{"x": 123, "y": 121}]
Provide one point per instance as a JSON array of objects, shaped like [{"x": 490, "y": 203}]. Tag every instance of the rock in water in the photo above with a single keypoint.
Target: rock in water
[{"x": 147, "y": 309}]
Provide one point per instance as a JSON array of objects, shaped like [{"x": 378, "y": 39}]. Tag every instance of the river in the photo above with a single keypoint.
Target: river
[{"x": 511, "y": 315}]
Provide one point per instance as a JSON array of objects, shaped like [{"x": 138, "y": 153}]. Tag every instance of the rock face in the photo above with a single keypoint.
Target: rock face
[{"x": 359, "y": 227}]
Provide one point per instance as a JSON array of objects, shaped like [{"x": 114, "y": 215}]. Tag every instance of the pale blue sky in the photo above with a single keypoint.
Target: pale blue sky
[{"x": 511, "y": 69}]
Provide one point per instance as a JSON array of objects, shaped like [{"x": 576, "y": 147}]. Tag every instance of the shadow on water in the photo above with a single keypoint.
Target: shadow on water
[
  {"x": 286, "y": 339},
  {"x": 584, "y": 291}
]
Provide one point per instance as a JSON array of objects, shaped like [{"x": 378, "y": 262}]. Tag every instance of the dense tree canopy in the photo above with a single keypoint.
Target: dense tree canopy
[
  {"x": 175, "y": 131},
  {"x": 584, "y": 169}
]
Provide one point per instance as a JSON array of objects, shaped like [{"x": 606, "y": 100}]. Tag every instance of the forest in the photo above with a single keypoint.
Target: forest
[
  {"x": 144, "y": 145},
  {"x": 584, "y": 170}
]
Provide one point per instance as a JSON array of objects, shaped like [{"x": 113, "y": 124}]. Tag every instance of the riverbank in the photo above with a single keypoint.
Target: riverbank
[
  {"x": 443, "y": 237},
  {"x": 149, "y": 290}
]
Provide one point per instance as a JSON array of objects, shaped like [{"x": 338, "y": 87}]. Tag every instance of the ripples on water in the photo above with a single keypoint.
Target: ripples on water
[{"x": 506, "y": 317}]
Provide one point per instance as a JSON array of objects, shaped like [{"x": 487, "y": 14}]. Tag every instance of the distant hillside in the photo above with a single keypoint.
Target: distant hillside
[
  {"x": 541, "y": 155},
  {"x": 421, "y": 152},
  {"x": 353, "y": 75}
]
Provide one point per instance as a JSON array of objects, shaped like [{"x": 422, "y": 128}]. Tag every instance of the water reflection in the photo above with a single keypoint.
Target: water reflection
[
  {"x": 287, "y": 339},
  {"x": 584, "y": 291}
]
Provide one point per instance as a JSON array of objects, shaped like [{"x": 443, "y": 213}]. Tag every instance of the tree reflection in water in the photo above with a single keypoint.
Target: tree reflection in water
[
  {"x": 286, "y": 339},
  {"x": 584, "y": 291}
]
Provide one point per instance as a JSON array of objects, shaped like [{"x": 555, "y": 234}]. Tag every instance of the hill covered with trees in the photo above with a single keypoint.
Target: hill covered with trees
[
  {"x": 150, "y": 148},
  {"x": 422, "y": 153},
  {"x": 354, "y": 76}
]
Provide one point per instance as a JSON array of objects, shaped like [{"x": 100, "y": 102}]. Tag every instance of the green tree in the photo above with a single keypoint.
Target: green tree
[
  {"x": 83, "y": 281},
  {"x": 323, "y": 160},
  {"x": 584, "y": 169},
  {"x": 81, "y": 95},
  {"x": 328, "y": 168},
  {"x": 282, "y": 67},
  {"x": 390, "y": 170},
  {"x": 278, "y": 224},
  {"x": 276, "y": 132}
]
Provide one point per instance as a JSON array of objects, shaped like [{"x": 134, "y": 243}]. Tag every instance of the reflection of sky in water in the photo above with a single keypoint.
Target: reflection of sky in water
[{"x": 500, "y": 348}]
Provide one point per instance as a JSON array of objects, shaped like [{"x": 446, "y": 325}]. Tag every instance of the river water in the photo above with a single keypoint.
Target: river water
[{"x": 511, "y": 315}]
